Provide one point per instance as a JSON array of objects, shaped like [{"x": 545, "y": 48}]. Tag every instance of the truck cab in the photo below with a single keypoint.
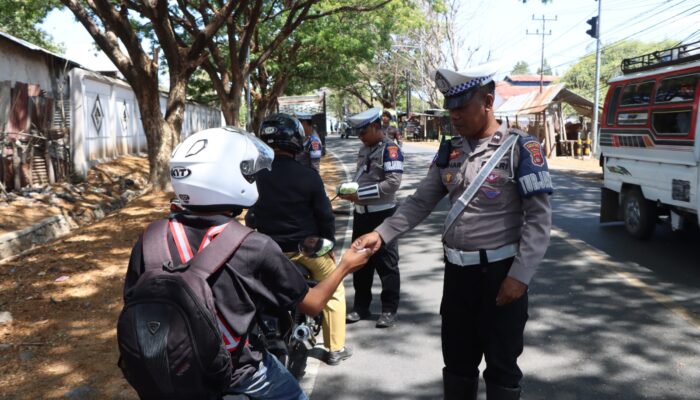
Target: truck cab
[{"x": 649, "y": 141}]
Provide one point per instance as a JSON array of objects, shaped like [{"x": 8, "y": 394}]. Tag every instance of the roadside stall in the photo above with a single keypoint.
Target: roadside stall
[{"x": 542, "y": 115}]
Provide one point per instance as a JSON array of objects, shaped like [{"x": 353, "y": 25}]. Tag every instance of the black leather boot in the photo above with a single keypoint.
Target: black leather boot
[
  {"x": 495, "y": 392},
  {"x": 458, "y": 387}
]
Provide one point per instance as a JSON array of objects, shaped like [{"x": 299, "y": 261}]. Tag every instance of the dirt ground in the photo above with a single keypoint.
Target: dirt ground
[
  {"x": 103, "y": 183},
  {"x": 65, "y": 297}
]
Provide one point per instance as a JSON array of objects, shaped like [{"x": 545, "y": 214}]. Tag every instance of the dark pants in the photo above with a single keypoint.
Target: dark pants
[
  {"x": 385, "y": 262},
  {"x": 473, "y": 326}
]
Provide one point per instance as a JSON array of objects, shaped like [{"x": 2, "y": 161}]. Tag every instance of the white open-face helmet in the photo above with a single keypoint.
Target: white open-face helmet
[{"x": 214, "y": 169}]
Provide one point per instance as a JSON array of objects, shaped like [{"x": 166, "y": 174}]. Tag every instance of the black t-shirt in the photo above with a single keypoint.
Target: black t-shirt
[
  {"x": 258, "y": 276},
  {"x": 292, "y": 204}
]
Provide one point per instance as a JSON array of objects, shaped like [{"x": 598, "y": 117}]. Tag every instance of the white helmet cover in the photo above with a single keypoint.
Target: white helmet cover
[{"x": 215, "y": 168}]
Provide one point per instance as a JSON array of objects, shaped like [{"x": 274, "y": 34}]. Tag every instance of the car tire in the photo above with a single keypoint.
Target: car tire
[{"x": 639, "y": 214}]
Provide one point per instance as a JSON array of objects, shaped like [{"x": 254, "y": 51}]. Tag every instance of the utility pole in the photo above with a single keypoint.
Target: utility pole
[
  {"x": 408, "y": 92},
  {"x": 543, "y": 34},
  {"x": 596, "y": 29}
]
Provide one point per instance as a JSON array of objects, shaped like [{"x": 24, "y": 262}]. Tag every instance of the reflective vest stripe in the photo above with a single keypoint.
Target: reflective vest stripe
[
  {"x": 210, "y": 235},
  {"x": 229, "y": 338},
  {"x": 183, "y": 245}
]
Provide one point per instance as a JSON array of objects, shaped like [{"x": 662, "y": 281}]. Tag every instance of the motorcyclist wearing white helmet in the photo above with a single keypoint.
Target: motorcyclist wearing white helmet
[
  {"x": 213, "y": 174},
  {"x": 293, "y": 205}
]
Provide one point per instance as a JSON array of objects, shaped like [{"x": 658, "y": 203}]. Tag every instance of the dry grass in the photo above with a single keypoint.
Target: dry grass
[
  {"x": 69, "y": 327},
  {"x": 24, "y": 212}
]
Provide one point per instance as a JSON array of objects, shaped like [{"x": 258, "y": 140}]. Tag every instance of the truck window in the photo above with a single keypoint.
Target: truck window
[
  {"x": 637, "y": 93},
  {"x": 677, "y": 89},
  {"x": 671, "y": 122},
  {"x": 612, "y": 106}
]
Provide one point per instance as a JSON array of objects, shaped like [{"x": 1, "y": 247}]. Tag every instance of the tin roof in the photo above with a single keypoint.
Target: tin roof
[
  {"x": 303, "y": 104},
  {"x": 536, "y": 102},
  {"x": 529, "y": 78},
  {"x": 36, "y": 49}
]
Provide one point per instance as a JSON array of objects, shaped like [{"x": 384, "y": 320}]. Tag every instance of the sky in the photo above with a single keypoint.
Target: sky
[{"x": 498, "y": 28}]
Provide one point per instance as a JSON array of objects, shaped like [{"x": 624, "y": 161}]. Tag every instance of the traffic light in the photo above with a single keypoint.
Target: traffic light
[{"x": 593, "y": 32}]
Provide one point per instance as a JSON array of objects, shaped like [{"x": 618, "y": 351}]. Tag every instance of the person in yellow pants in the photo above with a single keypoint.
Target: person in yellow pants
[
  {"x": 334, "y": 313},
  {"x": 293, "y": 206}
]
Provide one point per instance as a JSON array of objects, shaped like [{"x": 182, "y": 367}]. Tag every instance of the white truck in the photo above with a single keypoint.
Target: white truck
[{"x": 650, "y": 141}]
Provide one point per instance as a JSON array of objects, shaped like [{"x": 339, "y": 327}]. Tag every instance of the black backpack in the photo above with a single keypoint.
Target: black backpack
[{"x": 169, "y": 342}]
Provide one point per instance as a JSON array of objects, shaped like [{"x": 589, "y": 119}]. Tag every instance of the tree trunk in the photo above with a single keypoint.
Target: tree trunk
[
  {"x": 231, "y": 107},
  {"x": 159, "y": 135}
]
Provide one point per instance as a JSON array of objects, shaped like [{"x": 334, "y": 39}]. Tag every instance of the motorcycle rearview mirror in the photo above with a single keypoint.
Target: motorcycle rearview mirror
[{"x": 315, "y": 246}]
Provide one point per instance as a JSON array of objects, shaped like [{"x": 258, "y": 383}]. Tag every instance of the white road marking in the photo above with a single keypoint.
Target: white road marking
[
  {"x": 348, "y": 229},
  {"x": 308, "y": 381}
]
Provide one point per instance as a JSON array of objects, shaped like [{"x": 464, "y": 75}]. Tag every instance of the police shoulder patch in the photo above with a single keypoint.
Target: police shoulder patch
[
  {"x": 535, "y": 151},
  {"x": 533, "y": 174},
  {"x": 393, "y": 159}
]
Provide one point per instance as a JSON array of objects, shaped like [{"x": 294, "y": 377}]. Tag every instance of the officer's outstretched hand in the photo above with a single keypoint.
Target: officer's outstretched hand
[
  {"x": 352, "y": 197},
  {"x": 511, "y": 290},
  {"x": 370, "y": 240},
  {"x": 354, "y": 259}
]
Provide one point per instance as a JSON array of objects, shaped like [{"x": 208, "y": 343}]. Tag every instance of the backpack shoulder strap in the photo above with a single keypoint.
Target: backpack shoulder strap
[
  {"x": 209, "y": 260},
  {"x": 155, "y": 245}
]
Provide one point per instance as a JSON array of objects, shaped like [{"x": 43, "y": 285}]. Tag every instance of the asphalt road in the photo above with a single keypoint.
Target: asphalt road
[{"x": 610, "y": 317}]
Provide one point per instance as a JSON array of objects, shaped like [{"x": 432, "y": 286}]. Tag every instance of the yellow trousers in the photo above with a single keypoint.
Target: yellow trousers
[{"x": 334, "y": 311}]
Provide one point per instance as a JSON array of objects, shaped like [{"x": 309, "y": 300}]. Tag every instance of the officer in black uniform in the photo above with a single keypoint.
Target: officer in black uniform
[
  {"x": 290, "y": 183},
  {"x": 496, "y": 234},
  {"x": 293, "y": 205},
  {"x": 379, "y": 171}
]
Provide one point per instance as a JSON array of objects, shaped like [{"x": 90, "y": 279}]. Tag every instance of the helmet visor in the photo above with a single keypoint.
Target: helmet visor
[{"x": 263, "y": 160}]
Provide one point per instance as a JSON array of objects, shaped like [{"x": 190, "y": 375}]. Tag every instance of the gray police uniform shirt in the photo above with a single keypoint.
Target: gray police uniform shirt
[
  {"x": 378, "y": 174},
  {"x": 391, "y": 132},
  {"x": 512, "y": 206},
  {"x": 311, "y": 152}
]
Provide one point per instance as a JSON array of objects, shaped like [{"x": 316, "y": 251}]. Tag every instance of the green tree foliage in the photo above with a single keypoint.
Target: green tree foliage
[
  {"x": 546, "y": 68},
  {"x": 261, "y": 42},
  {"x": 581, "y": 76},
  {"x": 20, "y": 18},
  {"x": 181, "y": 31},
  {"x": 521, "y": 68}
]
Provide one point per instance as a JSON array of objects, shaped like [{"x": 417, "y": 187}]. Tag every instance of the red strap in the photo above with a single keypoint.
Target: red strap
[{"x": 183, "y": 245}]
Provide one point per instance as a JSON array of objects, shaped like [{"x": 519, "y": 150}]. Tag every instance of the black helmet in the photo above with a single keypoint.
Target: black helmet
[{"x": 282, "y": 131}]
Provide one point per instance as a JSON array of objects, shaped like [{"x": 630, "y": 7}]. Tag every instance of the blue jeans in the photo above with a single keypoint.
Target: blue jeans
[{"x": 271, "y": 382}]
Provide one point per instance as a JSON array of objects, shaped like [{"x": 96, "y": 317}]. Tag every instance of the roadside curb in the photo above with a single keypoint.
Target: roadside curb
[{"x": 20, "y": 242}]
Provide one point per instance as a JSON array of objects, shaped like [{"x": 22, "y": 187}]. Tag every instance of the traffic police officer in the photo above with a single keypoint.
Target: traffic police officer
[
  {"x": 389, "y": 130},
  {"x": 313, "y": 148},
  {"x": 492, "y": 246},
  {"x": 379, "y": 170}
]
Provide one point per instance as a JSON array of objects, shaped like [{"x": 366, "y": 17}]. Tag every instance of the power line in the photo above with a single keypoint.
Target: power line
[
  {"x": 635, "y": 20},
  {"x": 620, "y": 41}
]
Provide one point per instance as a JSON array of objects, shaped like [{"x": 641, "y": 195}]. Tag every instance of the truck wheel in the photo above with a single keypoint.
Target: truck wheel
[{"x": 639, "y": 214}]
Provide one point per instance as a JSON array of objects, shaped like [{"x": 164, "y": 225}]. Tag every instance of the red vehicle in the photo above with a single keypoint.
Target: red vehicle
[{"x": 649, "y": 141}]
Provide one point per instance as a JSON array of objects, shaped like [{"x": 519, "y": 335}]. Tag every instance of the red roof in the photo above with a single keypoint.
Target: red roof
[
  {"x": 529, "y": 78},
  {"x": 506, "y": 90}
]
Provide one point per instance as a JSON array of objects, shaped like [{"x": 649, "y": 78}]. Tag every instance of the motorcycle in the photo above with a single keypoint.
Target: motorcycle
[{"x": 290, "y": 335}]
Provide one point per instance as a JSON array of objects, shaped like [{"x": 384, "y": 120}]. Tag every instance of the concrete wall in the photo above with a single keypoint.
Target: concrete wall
[{"x": 120, "y": 131}]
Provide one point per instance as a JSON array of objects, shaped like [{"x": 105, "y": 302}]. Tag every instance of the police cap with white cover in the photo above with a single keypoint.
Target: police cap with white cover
[
  {"x": 459, "y": 87},
  {"x": 361, "y": 120}
]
